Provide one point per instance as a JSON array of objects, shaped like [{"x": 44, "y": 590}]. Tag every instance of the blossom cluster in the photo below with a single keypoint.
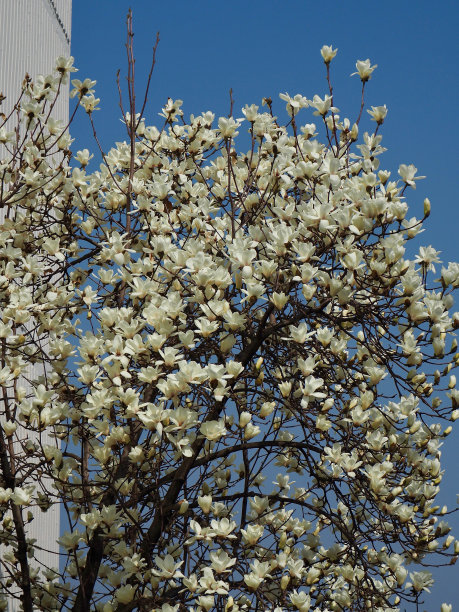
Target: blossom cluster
[{"x": 247, "y": 378}]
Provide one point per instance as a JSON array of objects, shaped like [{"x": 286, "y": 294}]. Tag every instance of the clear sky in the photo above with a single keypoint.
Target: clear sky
[{"x": 263, "y": 48}]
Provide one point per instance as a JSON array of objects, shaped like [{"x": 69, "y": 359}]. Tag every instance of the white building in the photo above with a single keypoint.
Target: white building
[{"x": 33, "y": 33}]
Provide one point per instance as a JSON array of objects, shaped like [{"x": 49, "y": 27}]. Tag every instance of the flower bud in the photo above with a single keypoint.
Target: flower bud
[
  {"x": 205, "y": 503},
  {"x": 244, "y": 418},
  {"x": 267, "y": 408},
  {"x": 284, "y": 581},
  {"x": 449, "y": 540},
  {"x": 9, "y": 428},
  {"x": 251, "y": 431},
  {"x": 426, "y": 207}
]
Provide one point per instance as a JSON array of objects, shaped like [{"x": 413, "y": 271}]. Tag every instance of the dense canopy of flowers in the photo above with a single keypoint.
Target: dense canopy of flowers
[{"x": 247, "y": 378}]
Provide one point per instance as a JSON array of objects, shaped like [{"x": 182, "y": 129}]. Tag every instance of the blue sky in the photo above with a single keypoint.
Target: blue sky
[{"x": 264, "y": 48}]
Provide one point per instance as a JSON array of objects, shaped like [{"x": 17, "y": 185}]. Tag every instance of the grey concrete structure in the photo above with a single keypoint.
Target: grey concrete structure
[{"x": 33, "y": 33}]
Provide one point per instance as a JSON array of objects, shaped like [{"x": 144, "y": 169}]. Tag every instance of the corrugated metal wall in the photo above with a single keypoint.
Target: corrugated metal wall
[{"x": 33, "y": 33}]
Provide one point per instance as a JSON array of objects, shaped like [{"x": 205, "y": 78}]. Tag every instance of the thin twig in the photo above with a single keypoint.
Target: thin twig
[{"x": 153, "y": 62}]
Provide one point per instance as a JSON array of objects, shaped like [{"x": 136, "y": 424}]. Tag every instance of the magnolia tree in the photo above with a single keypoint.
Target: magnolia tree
[{"x": 247, "y": 379}]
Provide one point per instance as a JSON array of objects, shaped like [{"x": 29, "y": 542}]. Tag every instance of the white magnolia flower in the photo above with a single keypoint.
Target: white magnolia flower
[
  {"x": 5, "y": 495},
  {"x": 213, "y": 430},
  {"x": 328, "y": 53},
  {"x": 294, "y": 104},
  {"x": 364, "y": 69},
  {"x": 427, "y": 257},
  {"x": 154, "y": 310},
  {"x": 420, "y": 581},
  {"x": 252, "y": 534},
  {"x": 250, "y": 112},
  {"x": 168, "y": 568},
  {"x": 310, "y": 387},
  {"x": 221, "y": 562},
  {"x": 21, "y": 496},
  {"x": 223, "y": 528},
  {"x": 125, "y": 594},
  {"x": 301, "y": 600},
  {"x": 408, "y": 174},
  {"x": 228, "y": 127},
  {"x": 205, "y": 503},
  {"x": 378, "y": 113}
]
